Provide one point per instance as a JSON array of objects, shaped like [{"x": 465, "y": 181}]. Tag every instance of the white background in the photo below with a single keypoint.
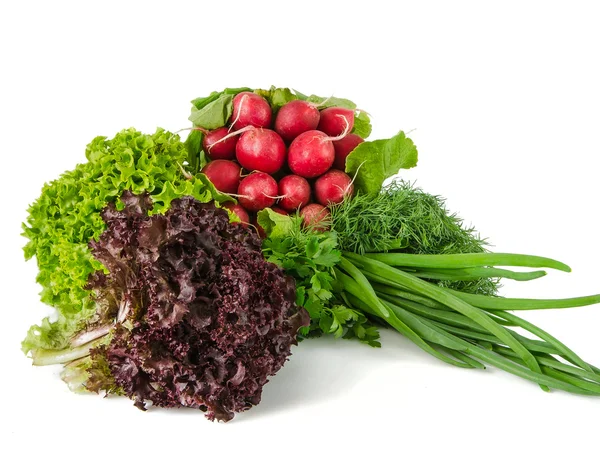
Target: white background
[{"x": 503, "y": 101}]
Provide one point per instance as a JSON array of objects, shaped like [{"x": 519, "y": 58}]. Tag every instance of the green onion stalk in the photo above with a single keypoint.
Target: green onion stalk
[{"x": 465, "y": 329}]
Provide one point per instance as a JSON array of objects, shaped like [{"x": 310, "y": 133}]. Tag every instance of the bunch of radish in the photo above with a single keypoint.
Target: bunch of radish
[{"x": 292, "y": 161}]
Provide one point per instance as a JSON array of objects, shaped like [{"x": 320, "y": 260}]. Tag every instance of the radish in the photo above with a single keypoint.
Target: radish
[
  {"x": 311, "y": 153},
  {"x": 257, "y": 191},
  {"x": 217, "y": 148},
  {"x": 294, "y": 191},
  {"x": 250, "y": 109},
  {"x": 315, "y": 216},
  {"x": 279, "y": 210},
  {"x": 296, "y": 117},
  {"x": 260, "y": 150},
  {"x": 333, "y": 120},
  {"x": 343, "y": 148},
  {"x": 224, "y": 174},
  {"x": 239, "y": 211},
  {"x": 333, "y": 187}
]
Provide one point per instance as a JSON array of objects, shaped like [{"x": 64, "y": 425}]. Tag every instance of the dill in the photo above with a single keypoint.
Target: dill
[{"x": 404, "y": 218}]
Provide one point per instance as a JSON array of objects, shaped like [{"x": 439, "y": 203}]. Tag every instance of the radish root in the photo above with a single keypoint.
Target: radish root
[
  {"x": 196, "y": 127},
  {"x": 185, "y": 173},
  {"x": 344, "y": 133},
  {"x": 237, "y": 118},
  {"x": 318, "y": 105},
  {"x": 231, "y": 135}
]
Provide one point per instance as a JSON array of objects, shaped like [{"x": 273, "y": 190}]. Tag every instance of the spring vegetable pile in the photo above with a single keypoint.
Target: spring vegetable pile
[{"x": 181, "y": 274}]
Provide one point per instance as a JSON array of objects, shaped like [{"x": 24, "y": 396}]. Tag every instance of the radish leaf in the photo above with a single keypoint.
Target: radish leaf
[{"x": 372, "y": 162}]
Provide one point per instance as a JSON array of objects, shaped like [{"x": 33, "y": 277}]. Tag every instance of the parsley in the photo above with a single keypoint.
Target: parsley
[{"x": 310, "y": 257}]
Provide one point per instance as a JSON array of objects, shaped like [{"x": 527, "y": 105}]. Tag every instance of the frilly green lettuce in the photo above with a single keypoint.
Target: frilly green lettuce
[{"x": 66, "y": 217}]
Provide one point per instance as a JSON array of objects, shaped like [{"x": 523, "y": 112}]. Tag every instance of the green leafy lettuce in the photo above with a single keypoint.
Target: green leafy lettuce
[
  {"x": 66, "y": 216},
  {"x": 372, "y": 162}
]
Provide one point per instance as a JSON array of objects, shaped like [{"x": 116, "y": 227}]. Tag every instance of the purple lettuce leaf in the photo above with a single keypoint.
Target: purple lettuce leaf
[{"x": 202, "y": 319}]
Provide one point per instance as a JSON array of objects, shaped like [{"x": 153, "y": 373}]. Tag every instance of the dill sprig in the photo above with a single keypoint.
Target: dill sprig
[{"x": 404, "y": 218}]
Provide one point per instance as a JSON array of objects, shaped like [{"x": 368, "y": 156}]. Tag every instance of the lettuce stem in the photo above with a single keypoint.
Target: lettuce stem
[{"x": 43, "y": 357}]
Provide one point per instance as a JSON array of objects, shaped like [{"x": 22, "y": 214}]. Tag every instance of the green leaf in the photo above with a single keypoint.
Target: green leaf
[
  {"x": 215, "y": 114},
  {"x": 327, "y": 259},
  {"x": 315, "y": 283},
  {"x": 362, "y": 125},
  {"x": 300, "y": 295},
  {"x": 304, "y": 271},
  {"x": 328, "y": 241},
  {"x": 274, "y": 224},
  {"x": 324, "y": 295},
  {"x": 202, "y": 181},
  {"x": 344, "y": 314},
  {"x": 313, "y": 305},
  {"x": 193, "y": 144},
  {"x": 325, "y": 279},
  {"x": 339, "y": 331},
  {"x": 326, "y": 322},
  {"x": 280, "y": 97},
  {"x": 201, "y": 102},
  {"x": 276, "y": 96},
  {"x": 374, "y": 161},
  {"x": 312, "y": 247},
  {"x": 288, "y": 264},
  {"x": 328, "y": 102}
]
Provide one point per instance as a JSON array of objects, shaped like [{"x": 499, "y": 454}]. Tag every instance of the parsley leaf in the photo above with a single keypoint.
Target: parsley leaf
[{"x": 309, "y": 257}]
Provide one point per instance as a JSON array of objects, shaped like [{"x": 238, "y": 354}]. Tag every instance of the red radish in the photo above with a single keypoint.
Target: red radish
[
  {"x": 343, "y": 148},
  {"x": 335, "y": 120},
  {"x": 217, "y": 149},
  {"x": 250, "y": 109},
  {"x": 260, "y": 150},
  {"x": 333, "y": 187},
  {"x": 296, "y": 117},
  {"x": 311, "y": 153},
  {"x": 315, "y": 216},
  {"x": 239, "y": 211},
  {"x": 294, "y": 191},
  {"x": 257, "y": 191},
  {"x": 224, "y": 174},
  {"x": 279, "y": 210}
]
